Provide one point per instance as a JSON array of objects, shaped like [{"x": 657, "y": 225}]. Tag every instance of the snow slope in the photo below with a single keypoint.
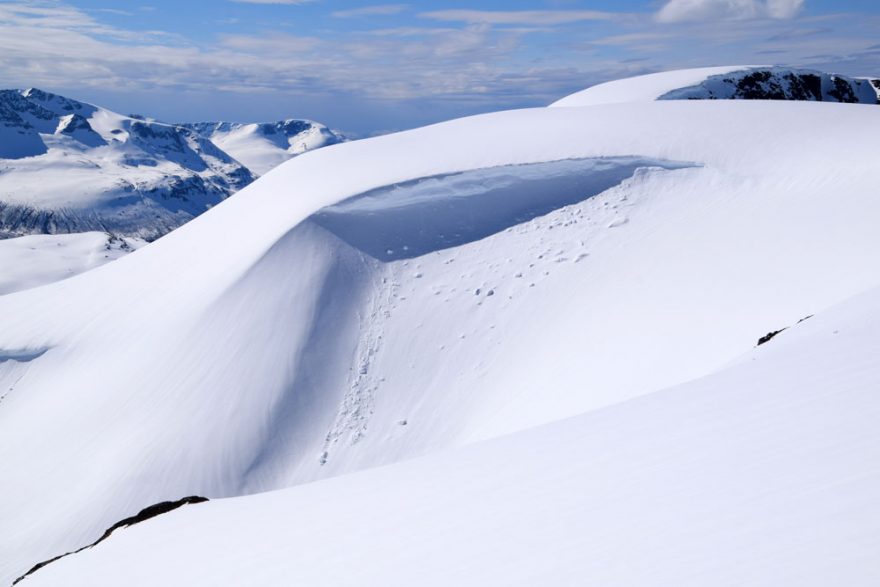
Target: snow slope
[
  {"x": 263, "y": 146},
  {"x": 223, "y": 362},
  {"x": 735, "y": 82},
  {"x": 67, "y": 166},
  {"x": 764, "y": 473},
  {"x": 30, "y": 261}
]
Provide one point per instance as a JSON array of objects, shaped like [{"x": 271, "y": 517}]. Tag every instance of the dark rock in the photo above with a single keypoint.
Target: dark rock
[
  {"x": 143, "y": 515},
  {"x": 767, "y": 337}
]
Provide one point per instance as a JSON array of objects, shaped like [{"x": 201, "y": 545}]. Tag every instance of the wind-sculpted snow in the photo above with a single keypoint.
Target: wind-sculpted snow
[
  {"x": 409, "y": 220},
  {"x": 764, "y": 473},
  {"x": 253, "y": 349}
]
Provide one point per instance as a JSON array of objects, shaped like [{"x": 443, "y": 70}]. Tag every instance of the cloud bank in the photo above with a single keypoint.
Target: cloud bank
[{"x": 699, "y": 10}]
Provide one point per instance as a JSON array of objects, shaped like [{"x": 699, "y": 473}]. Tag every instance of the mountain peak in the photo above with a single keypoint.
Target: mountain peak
[
  {"x": 262, "y": 146},
  {"x": 748, "y": 82}
]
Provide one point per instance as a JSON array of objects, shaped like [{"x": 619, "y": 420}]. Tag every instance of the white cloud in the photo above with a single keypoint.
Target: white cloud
[
  {"x": 377, "y": 10},
  {"x": 704, "y": 10},
  {"x": 519, "y": 17},
  {"x": 58, "y": 46},
  {"x": 486, "y": 61},
  {"x": 271, "y": 1},
  {"x": 42, "y": 16}
]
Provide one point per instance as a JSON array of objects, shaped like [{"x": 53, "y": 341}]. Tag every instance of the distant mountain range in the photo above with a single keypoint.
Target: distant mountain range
[
  {"x": 69, "y": 167},
  {"x": 262, "y": 146}
]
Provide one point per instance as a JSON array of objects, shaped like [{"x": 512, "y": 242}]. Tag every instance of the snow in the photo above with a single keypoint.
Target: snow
[
  {"x": 31, "y": 261},
  {"x": 643, "y": 88},
  {"x": 410, "y": 220},
  {"x": 68, "y": 167},
  {"x": 264, "y": 146},
  {"x": 223, "y": 362},
  {"x": 725, "y": 83},
  {"x": 764, "y": 473},
  {"x": 779, "y": 83}
]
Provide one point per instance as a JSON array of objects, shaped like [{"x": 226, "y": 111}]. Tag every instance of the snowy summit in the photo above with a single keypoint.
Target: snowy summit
[{"x": 630, "y": 341}]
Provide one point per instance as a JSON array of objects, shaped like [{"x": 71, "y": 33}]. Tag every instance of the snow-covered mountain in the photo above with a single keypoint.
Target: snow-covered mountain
[
  {"x": 263, "y": 146},
  {"x": 732, "y": 83},
  {"x": 67, "y": 166},
  {"x": 544, "y": 322}
]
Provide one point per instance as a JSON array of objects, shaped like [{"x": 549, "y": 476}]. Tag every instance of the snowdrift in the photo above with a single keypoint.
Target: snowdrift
[
  {"x": 764, "y": 473},
  {"x": 544, "y": 264}
]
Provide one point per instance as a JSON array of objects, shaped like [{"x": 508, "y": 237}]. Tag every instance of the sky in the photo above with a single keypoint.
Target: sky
[{"x": 367, "y": 67}]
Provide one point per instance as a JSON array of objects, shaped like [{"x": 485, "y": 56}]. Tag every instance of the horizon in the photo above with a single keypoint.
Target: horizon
[{"x": 368, "y": 68}]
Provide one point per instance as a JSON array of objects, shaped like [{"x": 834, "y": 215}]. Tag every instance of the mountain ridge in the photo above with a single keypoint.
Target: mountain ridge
[
  {"x": 744, "y": 82},
  {"x": 68, "y": 166}
]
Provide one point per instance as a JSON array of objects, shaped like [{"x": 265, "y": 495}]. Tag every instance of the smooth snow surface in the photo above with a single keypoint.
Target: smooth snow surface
[
  {"x": 219, "y": 361},
  {"x": 764, "y": 474},
  {"x": 643, "y": 88},
  {"x": 30, "y": 261}
]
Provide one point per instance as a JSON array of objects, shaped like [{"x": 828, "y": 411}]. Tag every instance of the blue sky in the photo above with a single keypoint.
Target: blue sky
[{"x": 367, "y": 67}]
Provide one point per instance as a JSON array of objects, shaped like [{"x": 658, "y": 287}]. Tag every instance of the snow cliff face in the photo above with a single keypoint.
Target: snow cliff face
[
  {"x": 731, "y": 83},
  {"x": 68, "y": 167},
  {"x": 263, "y": 146}
]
